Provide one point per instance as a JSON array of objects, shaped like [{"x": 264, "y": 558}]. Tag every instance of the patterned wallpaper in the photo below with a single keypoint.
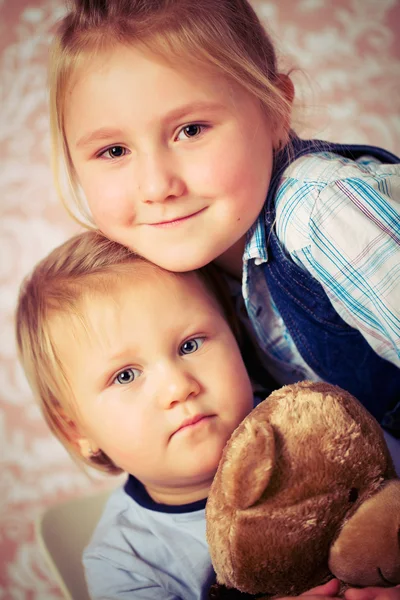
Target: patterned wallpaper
[{"x": 346, "y": 58}]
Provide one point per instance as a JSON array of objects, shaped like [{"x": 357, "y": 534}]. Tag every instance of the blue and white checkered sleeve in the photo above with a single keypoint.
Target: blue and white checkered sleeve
[{"x": 346, "y": 233}]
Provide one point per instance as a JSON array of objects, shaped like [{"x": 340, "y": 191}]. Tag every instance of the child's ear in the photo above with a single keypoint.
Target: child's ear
[{"x": 87, "y": 448}]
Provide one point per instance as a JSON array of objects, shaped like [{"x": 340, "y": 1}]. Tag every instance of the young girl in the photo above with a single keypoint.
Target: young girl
[
  {"x": 137, "y": 369},
  {"x": 174, "y": 126}
]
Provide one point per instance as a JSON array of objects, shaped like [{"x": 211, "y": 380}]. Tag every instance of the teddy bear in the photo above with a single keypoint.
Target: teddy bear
[{"x": 305, "y": 491}]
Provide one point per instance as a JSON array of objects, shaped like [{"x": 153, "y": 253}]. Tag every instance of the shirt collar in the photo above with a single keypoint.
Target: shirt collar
[
  {"x": 136, "y": 490},
  {"x": 256, "y": 247}
]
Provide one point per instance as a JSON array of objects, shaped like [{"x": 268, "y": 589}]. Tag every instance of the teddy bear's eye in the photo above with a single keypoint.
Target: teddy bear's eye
[{"x": 353, "y": 494}]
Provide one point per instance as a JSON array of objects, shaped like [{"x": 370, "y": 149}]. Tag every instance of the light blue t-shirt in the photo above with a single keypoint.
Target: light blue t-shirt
[{"x": 148, "y": 551}]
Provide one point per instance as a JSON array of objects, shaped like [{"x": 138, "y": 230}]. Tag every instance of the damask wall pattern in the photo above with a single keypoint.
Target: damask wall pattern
[{"x": 346, "y": 60}]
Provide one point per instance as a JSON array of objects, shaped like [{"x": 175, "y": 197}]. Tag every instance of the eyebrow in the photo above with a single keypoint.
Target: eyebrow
[
  {"x": 99, "y": 135},
  {"x": 192, "y": 107},
  {"x": 107, "y": 133}
]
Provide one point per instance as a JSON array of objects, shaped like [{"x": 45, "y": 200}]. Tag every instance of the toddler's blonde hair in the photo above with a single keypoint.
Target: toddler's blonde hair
[
  {"x": 87, "y": 263},
  {"x": 224, "y": 35}
]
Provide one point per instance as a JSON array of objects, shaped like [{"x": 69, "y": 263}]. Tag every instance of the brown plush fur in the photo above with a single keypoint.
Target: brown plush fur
[{"x": 302, "y": 494}]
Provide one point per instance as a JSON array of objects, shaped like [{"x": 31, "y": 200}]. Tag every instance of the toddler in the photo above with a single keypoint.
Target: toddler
[
  {"x": 138, "y": 369},
  {"x": 174, "y": 125}
]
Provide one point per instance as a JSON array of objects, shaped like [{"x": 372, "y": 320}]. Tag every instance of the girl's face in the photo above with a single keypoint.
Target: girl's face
[
  {"x": 174, "y": 162},
  {"x": 158, "y": 380}
]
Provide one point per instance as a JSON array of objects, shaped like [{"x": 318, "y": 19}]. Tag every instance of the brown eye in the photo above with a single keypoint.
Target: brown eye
[
  {"x": 113, "y": 152},
  {"x": 191, "y": 130},
  {"x": 353, "y": 495},
  {"x": 116, "y": 151}
]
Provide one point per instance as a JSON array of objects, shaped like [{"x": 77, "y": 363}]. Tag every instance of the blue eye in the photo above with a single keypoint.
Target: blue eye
[
  {"x": 127, "y": 376},
  {"x": 191, "y": 346}
]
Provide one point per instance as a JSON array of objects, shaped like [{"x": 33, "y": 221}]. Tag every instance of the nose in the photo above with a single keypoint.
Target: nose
[
  {"x": 159, "y": 177},
  {"x": 177, "y": 385}
]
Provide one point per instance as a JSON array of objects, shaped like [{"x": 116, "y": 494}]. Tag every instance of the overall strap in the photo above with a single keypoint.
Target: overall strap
[
  {"x": 298, "y": 147},
  {"x": 336, "y": 352}
]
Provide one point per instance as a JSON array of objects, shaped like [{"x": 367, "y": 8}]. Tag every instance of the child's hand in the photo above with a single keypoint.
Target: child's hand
[
  {"x": 373, "y": 593},
  {"x": 327, "y": 591}
]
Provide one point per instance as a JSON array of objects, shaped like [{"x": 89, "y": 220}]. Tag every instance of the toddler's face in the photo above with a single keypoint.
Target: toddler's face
[
  {"x": 158, "y": 379},
  {"x": 175, "y": 163}
]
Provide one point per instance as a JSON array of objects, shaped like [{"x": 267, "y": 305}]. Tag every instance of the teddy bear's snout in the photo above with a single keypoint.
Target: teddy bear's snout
[{"x": 367, "y": 550}]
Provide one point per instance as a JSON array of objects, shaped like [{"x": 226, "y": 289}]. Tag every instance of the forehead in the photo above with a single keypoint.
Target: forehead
[
  {"x": 154, "y": 85},
  {"x": 103, "y": 299},
  {"x": 141, "y": 62}
]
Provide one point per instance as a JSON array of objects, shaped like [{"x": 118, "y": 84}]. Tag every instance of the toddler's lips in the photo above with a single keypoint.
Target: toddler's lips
[{"x": 191, "y": 422}]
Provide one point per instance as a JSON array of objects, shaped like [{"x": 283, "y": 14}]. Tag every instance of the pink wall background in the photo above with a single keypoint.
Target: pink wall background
[{"x": 350, "y": 53}]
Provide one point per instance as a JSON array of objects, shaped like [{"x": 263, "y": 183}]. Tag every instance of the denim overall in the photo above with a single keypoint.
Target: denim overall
[{"x": 335, "y": 351}]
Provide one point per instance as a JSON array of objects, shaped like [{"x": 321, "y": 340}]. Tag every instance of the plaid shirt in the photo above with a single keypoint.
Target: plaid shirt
[{"x": 339, "y": 220}]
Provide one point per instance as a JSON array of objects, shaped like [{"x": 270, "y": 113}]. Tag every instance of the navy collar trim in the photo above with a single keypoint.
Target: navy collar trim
[{"x": 139, "y": 494}]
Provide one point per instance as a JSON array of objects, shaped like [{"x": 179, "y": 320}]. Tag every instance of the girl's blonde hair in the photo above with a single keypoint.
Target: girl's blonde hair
[
  {"x": 86, "y": 263},
  {"x": 225, "y": 35}
]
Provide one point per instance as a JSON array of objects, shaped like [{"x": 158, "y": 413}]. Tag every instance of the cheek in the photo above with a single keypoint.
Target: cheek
[
  {"x": 112, "y": 414},
  {"x": 235, "y": 173},
  {"x": 119, "y": 432},
  {"x": 220, "y": 176},
  {"x": 108, "y": 201},
  {"x": 231, "y": 377}
]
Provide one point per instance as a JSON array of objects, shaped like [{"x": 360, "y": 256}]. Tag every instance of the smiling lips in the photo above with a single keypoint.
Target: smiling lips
[{"x": 177, "y": 221}]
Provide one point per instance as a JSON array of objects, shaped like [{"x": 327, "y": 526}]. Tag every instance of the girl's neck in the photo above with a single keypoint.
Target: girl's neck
[{"x": 231, "y": 261}]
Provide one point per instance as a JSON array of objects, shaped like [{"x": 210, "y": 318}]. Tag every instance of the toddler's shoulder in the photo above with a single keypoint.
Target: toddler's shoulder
[
  {"x": 112, "y": 561},
  {"x": 118, "y": 514}
]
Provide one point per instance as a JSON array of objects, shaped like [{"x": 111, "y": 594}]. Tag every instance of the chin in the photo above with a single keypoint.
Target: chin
[
  {"x": 187, "y": 259},
  {"x": 179, "y": 266}
]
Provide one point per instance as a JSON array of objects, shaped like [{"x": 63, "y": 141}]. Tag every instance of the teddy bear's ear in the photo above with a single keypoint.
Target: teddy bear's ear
[{"x": 248, "y": 464}]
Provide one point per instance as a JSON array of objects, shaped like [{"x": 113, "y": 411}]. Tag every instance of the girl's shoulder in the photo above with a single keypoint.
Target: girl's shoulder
[
  {"x": 325, "y": 191},
  {"x": 325, "y": 168}
]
